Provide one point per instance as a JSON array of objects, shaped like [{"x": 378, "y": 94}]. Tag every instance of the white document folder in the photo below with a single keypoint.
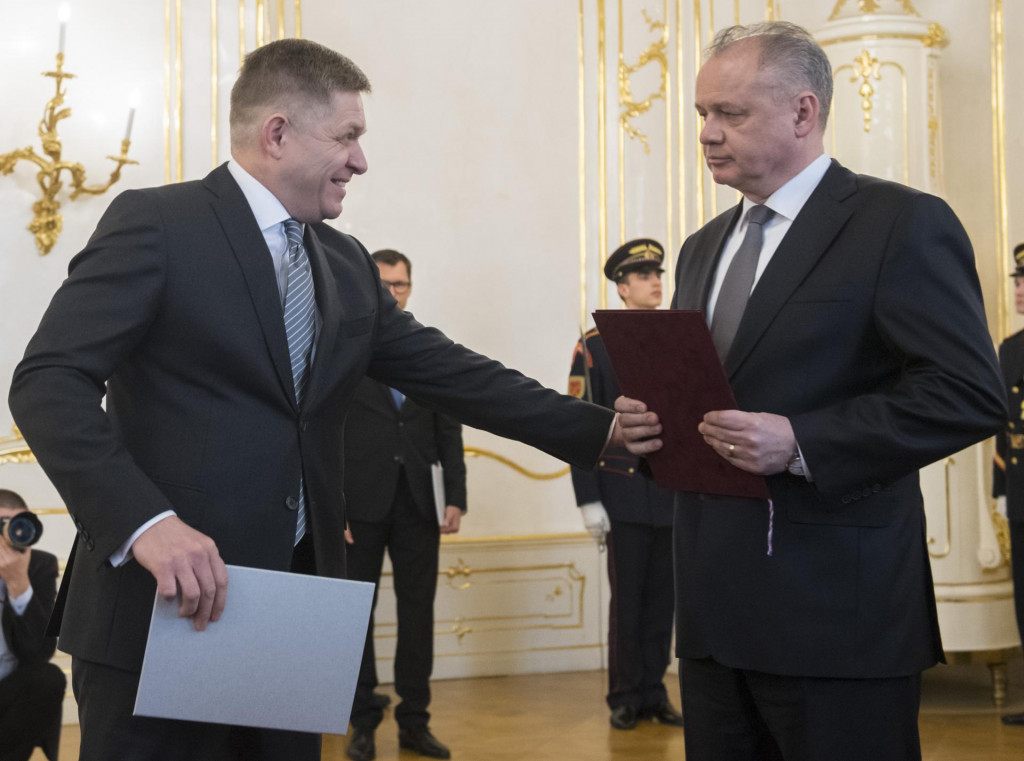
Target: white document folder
[
  {"x": 437, "y": 477},
  {"x": 284, "y": 655}
]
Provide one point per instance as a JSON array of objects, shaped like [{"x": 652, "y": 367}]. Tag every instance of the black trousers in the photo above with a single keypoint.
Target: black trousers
[
  {"x": 738, "y": 715},
  {"x": 31, "y": 703},
  {"x": 1017, "y": 562},
  {"x": 106, "y": 698},
  {"x": 412, "y": 542},
  {"x": 640, "y": 614}
]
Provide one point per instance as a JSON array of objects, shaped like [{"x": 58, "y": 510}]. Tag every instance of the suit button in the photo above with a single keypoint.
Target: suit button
[
  {"x": 1016, "y": 389},
  {"x": 846, "y": 499},
  {"x": 291, "y": 503},
  {"x": 90, "y": 545},
  {"x": 401, "y": 424},
  {"x": 1012, "y": 425},
  {"x": 1013, "y": 460},
  {"x": 632, "y": 470},
  {"x": 398, "y": 459}
]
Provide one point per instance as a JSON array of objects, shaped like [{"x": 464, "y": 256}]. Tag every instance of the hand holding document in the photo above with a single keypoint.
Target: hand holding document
[
  {"x": 285, "y": 654},
  {"x": 667, "y": 360}
]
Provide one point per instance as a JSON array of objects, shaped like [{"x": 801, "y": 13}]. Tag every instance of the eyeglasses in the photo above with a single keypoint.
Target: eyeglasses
[{"x": 397, "y": 286}]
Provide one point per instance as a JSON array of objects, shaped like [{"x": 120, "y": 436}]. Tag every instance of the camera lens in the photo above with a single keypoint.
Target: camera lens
[{"x": 22, "y": 530}]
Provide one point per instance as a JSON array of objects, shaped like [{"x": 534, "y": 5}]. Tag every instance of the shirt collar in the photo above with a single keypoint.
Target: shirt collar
[
  {"x": 788, "y": 200},
  {"x": 264, "y": 204}
]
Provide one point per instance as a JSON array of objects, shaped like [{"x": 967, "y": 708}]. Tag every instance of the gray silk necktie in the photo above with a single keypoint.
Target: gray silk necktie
[
  {"x": 738, "y": 282},
  {"x": 300, "y": 329}
]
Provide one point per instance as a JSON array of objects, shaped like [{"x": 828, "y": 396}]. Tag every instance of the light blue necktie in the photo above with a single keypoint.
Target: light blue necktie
[{"x": 300, "y": 330}]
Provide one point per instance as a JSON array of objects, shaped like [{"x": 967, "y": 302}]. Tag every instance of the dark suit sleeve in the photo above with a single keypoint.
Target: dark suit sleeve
[
  {"x": 426, "y": 365},
  {"x": 928, "y": 310},
  {"x": 98, "y": 316},
  {"x": 584, "y": 482},
  {"x": 448, "y": 434},
  {"x": 25, "y": 633}
]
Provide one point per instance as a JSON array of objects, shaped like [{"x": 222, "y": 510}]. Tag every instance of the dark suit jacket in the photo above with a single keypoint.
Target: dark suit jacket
[
  {"x": 618, "y": 482},
  {"x": 172, "y": 309},
  {"x": 867, "y": 331},
  {"x": 380, "y": 439},
  {"x": 24, "y": 634},
  {"x": 1008, "y": 473}
]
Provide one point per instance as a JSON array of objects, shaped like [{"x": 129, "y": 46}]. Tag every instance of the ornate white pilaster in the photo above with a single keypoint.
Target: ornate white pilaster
[{"x": 886, "y": 122}]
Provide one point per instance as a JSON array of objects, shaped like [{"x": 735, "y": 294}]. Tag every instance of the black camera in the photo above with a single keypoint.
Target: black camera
[{"x": 21, "y": 530}]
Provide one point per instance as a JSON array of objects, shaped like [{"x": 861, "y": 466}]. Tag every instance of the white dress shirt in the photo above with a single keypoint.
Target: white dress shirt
[{"x": 786, "y": 202}]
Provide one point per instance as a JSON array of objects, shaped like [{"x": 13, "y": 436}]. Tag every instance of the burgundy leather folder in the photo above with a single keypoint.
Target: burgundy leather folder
[{"x": 665, "y": 358}]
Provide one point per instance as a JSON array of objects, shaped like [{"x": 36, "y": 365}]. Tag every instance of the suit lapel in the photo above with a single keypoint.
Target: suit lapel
[
  {"x": 328, "y": 302},
  {"x": 253, "y": 256},
  {"x": 696, "y": 273},
  {"x": 810, "y": 235}
]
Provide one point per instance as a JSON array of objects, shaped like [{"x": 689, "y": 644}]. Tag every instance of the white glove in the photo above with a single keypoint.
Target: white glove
[
  {"x": 1001, "y": 505},
  {"x": 595, "y": 519}
]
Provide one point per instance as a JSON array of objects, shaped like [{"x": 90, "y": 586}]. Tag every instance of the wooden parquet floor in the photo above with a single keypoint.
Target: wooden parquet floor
[{"x": 562, "y": 717}]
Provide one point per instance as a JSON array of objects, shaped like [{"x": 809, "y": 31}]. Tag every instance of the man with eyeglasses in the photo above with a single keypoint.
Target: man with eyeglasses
[{"x": 391, "y": 443}]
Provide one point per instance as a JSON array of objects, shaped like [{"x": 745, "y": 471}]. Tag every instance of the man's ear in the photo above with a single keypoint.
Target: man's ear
[
  {"x": 273, "y": 134},
  {"x": 805, "y": 114}
]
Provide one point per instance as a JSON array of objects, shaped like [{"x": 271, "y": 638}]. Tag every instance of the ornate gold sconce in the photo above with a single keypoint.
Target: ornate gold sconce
[{"x": 46, "y": 225}]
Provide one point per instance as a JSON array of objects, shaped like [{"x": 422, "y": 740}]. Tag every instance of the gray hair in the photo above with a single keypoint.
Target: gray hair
[{"x": 790, "y": 52}]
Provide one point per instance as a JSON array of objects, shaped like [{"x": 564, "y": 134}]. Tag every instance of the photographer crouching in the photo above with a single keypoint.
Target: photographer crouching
[{"x": 31, "y": 688}]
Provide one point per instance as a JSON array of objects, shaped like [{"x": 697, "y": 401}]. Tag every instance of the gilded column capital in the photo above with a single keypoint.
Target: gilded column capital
[{"x": 844, "y": 9}]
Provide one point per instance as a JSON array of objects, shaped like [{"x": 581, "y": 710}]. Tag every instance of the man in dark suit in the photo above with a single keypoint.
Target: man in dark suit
[
  {"x": 635, "y": 514},
  {"x": 804, "y": 622},
  {"x": 229, "y": 327},
  {"x": 31, "y": 688},
  {"x": 391, "y": 443},
  {"x": 1008, "y": 473}
]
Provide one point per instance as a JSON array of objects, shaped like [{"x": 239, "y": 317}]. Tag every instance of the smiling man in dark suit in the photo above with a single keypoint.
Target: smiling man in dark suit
[
  {"x": 391, "y": 444},
  {"x": 228, "y": 328},
  {"x": 848, "y": 315}
]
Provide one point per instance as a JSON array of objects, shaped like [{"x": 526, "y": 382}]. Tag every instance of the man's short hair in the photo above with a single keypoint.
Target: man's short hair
[
  {"x": 10, "y": 498},
  {"x": 391, "y": 257},
  {"x": 791, "y": 52},
  {"x": 292, "y": 75}
]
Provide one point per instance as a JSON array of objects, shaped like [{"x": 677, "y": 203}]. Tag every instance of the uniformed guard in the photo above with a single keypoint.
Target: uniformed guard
[
  {"x": 633, "y": 516},
  {"x": 1008, "y": 473}
]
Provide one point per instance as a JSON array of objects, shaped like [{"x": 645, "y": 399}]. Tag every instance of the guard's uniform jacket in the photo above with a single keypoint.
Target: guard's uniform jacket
[
  {"x": 639, "y": 549},
  {"x": 627, "y": 495}
]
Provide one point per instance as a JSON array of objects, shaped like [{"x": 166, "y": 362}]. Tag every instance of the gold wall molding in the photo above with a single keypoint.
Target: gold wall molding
[
  {"x": 875, "y": 6},
  {"x": 478, "y": 452},
  {"x": 556, "y": 601},
  {"x": 866, "y": 67},
  {"x": 181, "y": 48},
  {"x": 14, "y": 450},
  {"x": 656, "y": 52},
  {"x": 1000, "y": 193}
]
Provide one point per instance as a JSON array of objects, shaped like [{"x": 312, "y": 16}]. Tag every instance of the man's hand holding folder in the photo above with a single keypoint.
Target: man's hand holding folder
[{"x": 757, "y": 442}]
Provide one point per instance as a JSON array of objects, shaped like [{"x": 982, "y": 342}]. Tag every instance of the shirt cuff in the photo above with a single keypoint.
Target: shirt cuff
[
  {"x": 19, "y": 603},
  {"x": 124, "y": 553}
]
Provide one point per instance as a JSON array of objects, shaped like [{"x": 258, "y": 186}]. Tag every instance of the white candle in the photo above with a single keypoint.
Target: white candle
[
  {"x": 131, "y": 119},
  {"x": 62, "y": 16}
]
